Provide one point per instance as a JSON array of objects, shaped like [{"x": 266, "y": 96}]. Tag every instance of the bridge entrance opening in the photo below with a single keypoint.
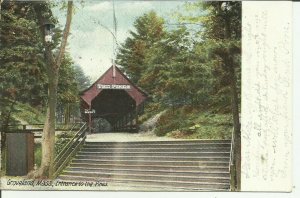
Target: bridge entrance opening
[
  {"x": 114, "y": 102},
  {"x": 101, "y": 125}
]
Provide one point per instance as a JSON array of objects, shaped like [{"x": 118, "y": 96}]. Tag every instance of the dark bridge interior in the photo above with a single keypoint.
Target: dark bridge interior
[{"x": 113, "y": 106}]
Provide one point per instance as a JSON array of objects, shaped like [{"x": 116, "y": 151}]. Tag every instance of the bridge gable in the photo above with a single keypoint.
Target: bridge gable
[{"x": 119, "y": 81}]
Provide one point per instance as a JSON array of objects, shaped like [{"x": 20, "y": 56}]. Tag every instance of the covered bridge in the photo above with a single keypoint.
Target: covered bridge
[{"x": 114, "y": 98}]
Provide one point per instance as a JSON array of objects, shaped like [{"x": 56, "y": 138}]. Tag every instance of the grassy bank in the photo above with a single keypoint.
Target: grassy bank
[
  {"x": 192, "y": 123},
  {"x": 28, "y": 114},
  {"x": 38, "y": 154}
]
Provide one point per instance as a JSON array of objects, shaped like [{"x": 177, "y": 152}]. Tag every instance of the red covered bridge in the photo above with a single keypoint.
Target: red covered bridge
[{"x": 114, "y": 98}]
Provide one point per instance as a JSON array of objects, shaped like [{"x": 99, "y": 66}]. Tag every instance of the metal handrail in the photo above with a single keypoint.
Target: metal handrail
[
  {"x": 69, "y": 150},
  {"x": 231, "y": 149},
  {"x": 69, "y": 143},
  {"x": 231, "y": 153},
  {"x": 72, "y": 128}
]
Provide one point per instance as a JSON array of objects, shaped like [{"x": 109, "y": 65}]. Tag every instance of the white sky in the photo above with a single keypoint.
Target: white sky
[{"x": 90, "y": 45}]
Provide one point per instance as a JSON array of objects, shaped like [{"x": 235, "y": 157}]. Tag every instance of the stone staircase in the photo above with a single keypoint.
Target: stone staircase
[{"x": 192, "y": 165}]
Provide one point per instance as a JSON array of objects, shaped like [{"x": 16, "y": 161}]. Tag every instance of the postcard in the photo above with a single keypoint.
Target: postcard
[{"x": 146, "y": 95}]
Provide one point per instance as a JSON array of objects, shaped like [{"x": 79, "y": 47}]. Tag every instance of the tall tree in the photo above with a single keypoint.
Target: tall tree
[
  {"x": 43, "y": 11},
  {"x": 221, "y": 32},
  {"x": 228, "y": 16},
  {"x": 22, "y": 78},
  {"x": 205, "y": 72},
  {"x": 148, "y": 30},
  {"x": 174, "y": 73},
  {"x": 68, "y": 90},
  {"x": 82, "y": 80},
  {"x": 23, "y": 67}
]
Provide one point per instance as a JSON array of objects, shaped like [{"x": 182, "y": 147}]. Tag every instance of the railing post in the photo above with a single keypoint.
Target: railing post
[{"x": 90, "y": 123}]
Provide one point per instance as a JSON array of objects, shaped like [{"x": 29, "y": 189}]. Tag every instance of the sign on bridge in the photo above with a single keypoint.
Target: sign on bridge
[
  {"x": 89, "y": 111},
  {"x": 110, "y": 86}
]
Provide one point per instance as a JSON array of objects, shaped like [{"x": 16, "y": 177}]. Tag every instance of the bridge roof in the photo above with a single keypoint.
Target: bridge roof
[{"x": 119, "y": 82}]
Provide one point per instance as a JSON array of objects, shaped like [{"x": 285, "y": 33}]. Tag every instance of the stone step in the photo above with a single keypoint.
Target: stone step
[
  {"x": 157, "y": 145},
  {"x": 140, "y": 176},
  {"x": 189, "y": 165},
  {"x": 162, "y": 142},
  {"x": 155, "y": 158},
  {"x": 154, "y": 154},
  {"x": 159, "y": 167},
  {"x": 151, "y": 162},
  {"x": 129, "y": 149},
  {"x": 203, "y": 173}
]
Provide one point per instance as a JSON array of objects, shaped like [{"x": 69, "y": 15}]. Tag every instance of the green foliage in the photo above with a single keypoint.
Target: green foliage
[
  {"x": 221, "y": 35},
  {"x": 28, "y": 114},
  {"x": 197, "y": 124},
  {"x": 188, "y": 70},
  {"x": 24, "y": 70},
  {"x": 72, "y": 80},
  {"x": 37, "y": 154},
  {"x": 61, "y": 140},
  {"x": 148, "y": 30},
  {"x": 23, "y": 78},
  {"x": 68, "y": 89},
  {"x": 22, "y": 75},
  {"x": 181, "y": 67},
  {"x": 83, "y": 81},
  {"x": 7, "y": 107},
  {"x": 174, "y": 75},
  {"x": 67, "y": 85}
]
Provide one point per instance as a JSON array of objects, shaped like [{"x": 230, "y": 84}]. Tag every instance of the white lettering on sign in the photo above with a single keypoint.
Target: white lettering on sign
[
  {"x": 102, "y": 86},
  {"x": 89, "y": 111}
]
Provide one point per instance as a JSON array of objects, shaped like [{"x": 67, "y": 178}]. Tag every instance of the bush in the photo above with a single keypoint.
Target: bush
[
  {"x": 37, "y": 154},
  {"x": 61, "y": 140},
  {"x": 191, "y": 123}
]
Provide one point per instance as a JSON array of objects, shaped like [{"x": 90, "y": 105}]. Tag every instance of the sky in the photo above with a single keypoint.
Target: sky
[{"x": 90, "y": 44}]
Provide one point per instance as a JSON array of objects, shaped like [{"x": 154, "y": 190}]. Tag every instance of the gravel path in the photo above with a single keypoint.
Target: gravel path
[
  {"x": 146, "y": 134},
  {"x": 125, "y": 137}
]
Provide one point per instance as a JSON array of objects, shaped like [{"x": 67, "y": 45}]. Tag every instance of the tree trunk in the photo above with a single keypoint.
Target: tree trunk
[
  {"x": 237, "y": 129},
  {"x": 53, "y": 65},
  {"x": 48, "y": 138},
  {"x": 229, "y": 63},
  {"x": 0, "y": 7}
]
